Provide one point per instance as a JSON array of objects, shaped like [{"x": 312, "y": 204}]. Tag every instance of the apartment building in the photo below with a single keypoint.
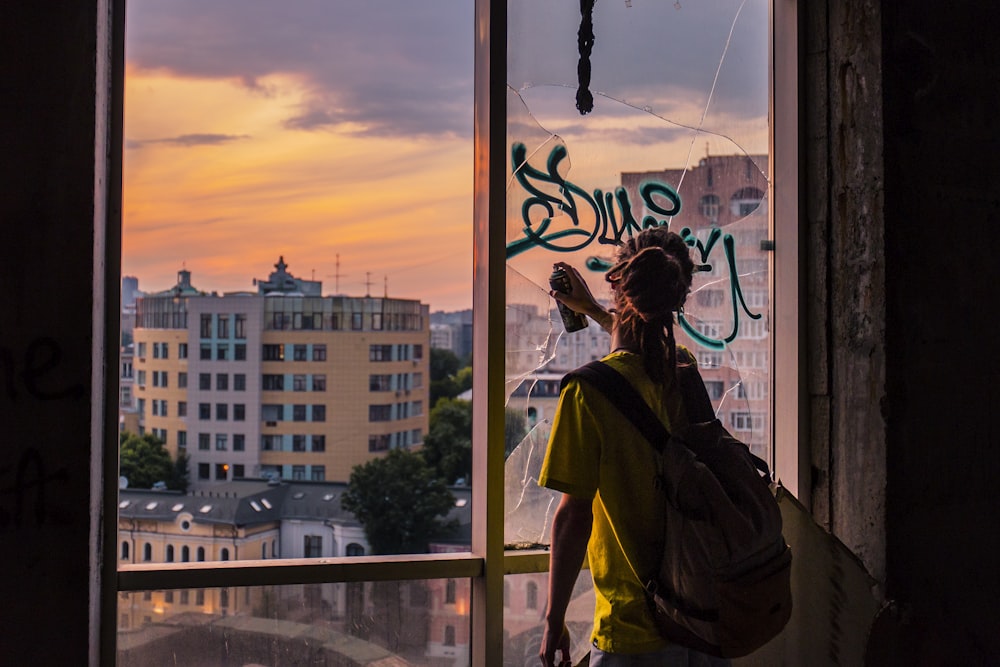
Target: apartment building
[{"x": 282, "y": 382}]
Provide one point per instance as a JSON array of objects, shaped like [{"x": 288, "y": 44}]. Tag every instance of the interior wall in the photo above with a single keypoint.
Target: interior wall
[
  {"x": 942, "y": 185},
  {"x": 49, "y": 559}
]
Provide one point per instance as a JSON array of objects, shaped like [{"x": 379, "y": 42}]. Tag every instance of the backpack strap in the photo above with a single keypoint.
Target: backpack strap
[{"x": 620, "y": 392}]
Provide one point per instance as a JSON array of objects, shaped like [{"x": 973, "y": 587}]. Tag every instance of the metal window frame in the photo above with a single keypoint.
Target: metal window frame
[{"x": 486, "y": 564}]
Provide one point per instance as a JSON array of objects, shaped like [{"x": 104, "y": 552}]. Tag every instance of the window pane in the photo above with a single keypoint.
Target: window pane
[
  {"x": 364, "y": 623},
  {"x": 677, "y": 135}
]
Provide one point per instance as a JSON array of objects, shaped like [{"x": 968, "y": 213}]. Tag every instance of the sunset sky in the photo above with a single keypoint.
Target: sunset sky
[{"x": 313, "y": 129}]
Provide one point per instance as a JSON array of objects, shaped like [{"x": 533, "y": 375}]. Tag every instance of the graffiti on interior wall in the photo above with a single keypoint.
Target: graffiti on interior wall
[
  {"x": 22, "y": 490},
  {"x": 609, "y": 228},
  {"x": 32, "y": 372}
]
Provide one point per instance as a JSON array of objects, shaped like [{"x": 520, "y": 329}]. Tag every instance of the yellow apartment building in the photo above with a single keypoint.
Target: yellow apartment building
[{"x": 283, "y": 382}]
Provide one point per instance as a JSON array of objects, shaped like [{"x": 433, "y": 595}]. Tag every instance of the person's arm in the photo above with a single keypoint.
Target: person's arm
[
  {"x": 571, "y": 528},
  {"x": 581, "y": 300}
]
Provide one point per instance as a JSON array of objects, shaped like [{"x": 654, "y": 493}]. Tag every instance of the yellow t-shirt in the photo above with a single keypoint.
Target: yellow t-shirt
[{"x": 595, "y": 452}]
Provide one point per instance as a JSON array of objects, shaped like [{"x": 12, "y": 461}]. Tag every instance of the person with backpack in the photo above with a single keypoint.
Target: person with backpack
[{"x": 606, "y": 469}]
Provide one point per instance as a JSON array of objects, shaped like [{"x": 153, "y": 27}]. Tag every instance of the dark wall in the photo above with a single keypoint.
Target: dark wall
[{"x": 942, "y": 208}]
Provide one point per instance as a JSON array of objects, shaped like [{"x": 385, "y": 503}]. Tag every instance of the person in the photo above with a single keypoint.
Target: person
[{"x": 604, "y": 468}]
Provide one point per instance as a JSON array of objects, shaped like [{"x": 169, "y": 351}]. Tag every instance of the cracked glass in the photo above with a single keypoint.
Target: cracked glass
[{"x": 660, "y": 119}]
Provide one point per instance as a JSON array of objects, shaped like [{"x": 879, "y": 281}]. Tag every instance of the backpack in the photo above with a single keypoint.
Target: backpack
[{"x": 723, "y": 584}]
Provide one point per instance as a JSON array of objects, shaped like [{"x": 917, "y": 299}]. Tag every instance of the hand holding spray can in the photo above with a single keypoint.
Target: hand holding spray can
[{"x": 572, "y": 320}]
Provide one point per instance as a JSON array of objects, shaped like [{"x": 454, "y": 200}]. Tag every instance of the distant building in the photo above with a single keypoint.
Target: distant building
[{"x": 280, "y": 382}]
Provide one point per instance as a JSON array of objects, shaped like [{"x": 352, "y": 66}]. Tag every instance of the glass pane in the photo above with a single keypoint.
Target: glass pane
[
  {"x": 297, "y": 213},
  {"x": 525, "y": 597},
  {"x": 677, "y": 135},
  {"x": 372, "y": 623}
]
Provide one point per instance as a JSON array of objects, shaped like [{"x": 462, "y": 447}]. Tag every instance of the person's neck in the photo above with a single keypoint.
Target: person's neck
[{"x": 620, "y": 343}]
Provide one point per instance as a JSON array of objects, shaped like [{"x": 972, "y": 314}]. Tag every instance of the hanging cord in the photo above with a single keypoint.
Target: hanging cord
[{"x": 585, "y": 44}]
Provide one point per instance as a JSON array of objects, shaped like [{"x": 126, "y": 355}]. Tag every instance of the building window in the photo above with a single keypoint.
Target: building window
[
  {"x": 238, "y": 470},
  {"x": 168, "y": 597},
  {"x": 270, "y": 443},
  {"x": 185, "y": 554},
  {"x": 221, "y": 411},
  {"x": 378, "y": 443},
  {"x": 298, "y": 443},
  {"x": 299, "y": 352},
  {"x": 298, "y": 473},
  {"x": 203, "y": 470},
  {"x": 240, "y": 351},
  {"x": 201, "y": 554},
  {"x": 182, "y": 350},
  {"x": 298, "y": 383},
  {"x": 205, "y": 381},
  {"x": 221, "y": 382},
  {"x": 380, "y": 353},
  {"x": 239, "y": 444},
  {"x": 221, "y": 442},
  {"x": 199, "y": 597},
  {"x": 224, "y": 556},
  {"x": 185, "y": 597},
  {"x": 379, "y": 413},
  {"x": 239, "y": 382},
  {"x": 376, "y": 321},
  {"x": 318, "y": 473},
  {"x": 356, "y": 321},
  {"x": 298, "y": 413},
  {"x": 273, "y": 383},
  {"x": 319, "y": 383},
  {"x": 182, "y": 380},
  {"x": 206, "y": 326},
  {"x": 204, "y": 411},
  {"x": 449, "y": 635},
  {"x": 418, "y": 352},
  {"x": 272, "y": 413},
  {"x": 449, "y": 592},
  {"x": 140, "y": 350},
  {"x": 313, "y": 546},
  {"x": 354, "y": 549},
  {"x": 223, "y": 326},
  {"x": 170, "y": 553},
  {"x": 182, "y": 439},
  {"x": 273, "y": 353},
  {"x": 147, "y": 552},
  {"x": 240, "y": 325},
  {"x": 319, "y": 352},
  {"x": 380, "y": 383},
  {"x": 318, "y": 443},
  {"x": 124, "y": 555},
  {"x": 319, "y": 413},
  {"x": 205, "y": 352},
  {"x": 716, "y": 388},
  {"x": 140, "y": 378},
  {"x": 222, "y": 352},
  {"x": 182, "y": 408},
  {"x": 239, "y": 412},
  {"x": 204, "y": 441}
]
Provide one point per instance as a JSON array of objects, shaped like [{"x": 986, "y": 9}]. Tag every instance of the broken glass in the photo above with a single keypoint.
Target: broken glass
[{"x": 660, "y": 119}]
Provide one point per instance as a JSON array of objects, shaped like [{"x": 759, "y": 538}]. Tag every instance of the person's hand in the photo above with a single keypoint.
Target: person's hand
[
  {"x": 555, "y": 640},
  {"x": 579, "y": 298}
]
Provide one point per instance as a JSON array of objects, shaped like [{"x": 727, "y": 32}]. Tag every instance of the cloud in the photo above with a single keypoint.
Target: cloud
[{"x": 188, "y": 140}]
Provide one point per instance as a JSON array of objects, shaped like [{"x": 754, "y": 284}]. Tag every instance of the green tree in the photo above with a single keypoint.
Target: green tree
[
  {"x": 449, "y": 377},
  {"x": 448, "y": 443},
  {"x": 400, "y": 502},
  {"x": 443, "y": 363},
  {"x": 515, "y": 427},
  {"x": 144, "y": 460}
]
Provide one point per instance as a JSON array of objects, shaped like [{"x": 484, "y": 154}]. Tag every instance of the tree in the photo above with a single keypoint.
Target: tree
[
  {"x": 400, "y": 502},
  {"x": 448, "y": 443},
  {"x": 515, "y": 427},
  {"x": 144, "y": 460},
  {"x": 449, "y": 377}
]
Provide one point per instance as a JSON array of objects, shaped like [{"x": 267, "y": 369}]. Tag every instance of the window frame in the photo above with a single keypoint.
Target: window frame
[{"x": 489, "y": 303}]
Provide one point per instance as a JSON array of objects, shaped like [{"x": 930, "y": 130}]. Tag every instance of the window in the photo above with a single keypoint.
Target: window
[
  {"x": 298, "y": 443},
  {"x": 319, "y": 352},
  {"x": 376, "y": 321},
  {"x": 273, "y": 353},
  {"x": 379, "y": 413},
  {"x": 239, "y": 412},
  {"x": 313, "y": 546},
  {"x": 221, "y": 471},
  {"x": 203, "y": 470},
  {"x": 319, "y": 383},
  {"x": 170, "y": 553},
  {"x": 204, "y": 411},
  {"x": 298, "y": 383},
  {"x": 239, "y": 444},
  {"x": 380, "y": 353},
  {"x": 206, "y": 326},
  {"x": 356, "y": 321},
  {"x": 716, "y": 388},
  {"x": 378, "y": 443},
  {"x": 182, "y": 380},
  {"x": 240, "y": 351},
  {"x": 204, "y": 441},
  {"x": 299, "y": 352},
  {"x": 221, "y": 411},
  {"x": 185, "y": 554},
  {"x": 354, "y": 549},
  {"x": 449, "y": 635},
  {"x": 317, "y": 473},
  {"x": 418, "y": 352},
  {"x": 221, "y": 442},
  {"x": 239, "y": 382},
  {"x": 418, "y": 380},
  {"x": 449, "y": 592},
  {"x": 273, "y": 383},
  {"x": 222, "y": 352},
  {"x": 221, "y": 382},
  {"x": 140, "y": 350},
  {"x": 270, "y": 443},
  {"x": 140, "y": 378},
  {"x": 124, "y": 552},
  {"x": 298, "y": 413},
  {"x": 319, "y": 413},
  {"x": 298, "y": 473},
  {"x": 238, "y": 470},
  {"x": 380, "y": 382},
  {"x": 318, "y": 443},
  {"x": 201, "y": 554},
  {"x": 240, "y": 325},
  {"x": 204, "y": 381},
  {"x": 223, "y": 324},
  {"x": 272, "y": 412},
  {"x": 182, "y": 438},
  {"x": 182, "y": 350},
  {"x": 205, "y": 352},
  {"x": 185, "y": 597},
  {"x": 224, "y": 555}
]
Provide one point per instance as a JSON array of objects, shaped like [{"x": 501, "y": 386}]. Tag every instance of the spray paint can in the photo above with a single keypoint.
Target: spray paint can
[{"x": 573, "y": 321}]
